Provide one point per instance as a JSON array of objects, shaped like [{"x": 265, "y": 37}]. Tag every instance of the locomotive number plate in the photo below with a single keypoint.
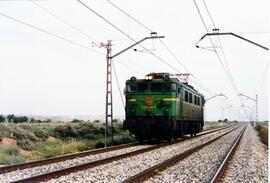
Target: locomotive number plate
[{"x": 149, "y": 100}]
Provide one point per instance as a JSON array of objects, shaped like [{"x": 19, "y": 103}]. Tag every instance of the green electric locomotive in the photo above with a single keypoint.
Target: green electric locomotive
[{"x": 160, "y": 106}]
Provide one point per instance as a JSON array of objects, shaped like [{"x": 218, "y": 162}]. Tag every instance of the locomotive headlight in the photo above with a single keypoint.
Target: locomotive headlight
[{"x": 148, "y": 77}]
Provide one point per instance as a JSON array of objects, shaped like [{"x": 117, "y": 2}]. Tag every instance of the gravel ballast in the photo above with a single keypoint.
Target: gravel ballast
[
  {"x": 250, "y": 162},
  {"x": 122, "y": 169},
  {"x": 29, "y": 172},
  {"x": 199, "y": 166}
]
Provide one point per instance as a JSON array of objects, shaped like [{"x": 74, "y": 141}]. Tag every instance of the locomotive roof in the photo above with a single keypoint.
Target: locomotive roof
[{"x": 169, "y": 80}]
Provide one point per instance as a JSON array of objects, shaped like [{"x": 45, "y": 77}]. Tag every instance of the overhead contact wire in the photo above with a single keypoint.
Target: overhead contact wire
[
  {"x": 63, "y": 21},
  {"x": 224, "y": 68},
  {"x": 118, "y": 85},
  {"x": 129, "y": 16},
  {"x": 50, "y": 33}
]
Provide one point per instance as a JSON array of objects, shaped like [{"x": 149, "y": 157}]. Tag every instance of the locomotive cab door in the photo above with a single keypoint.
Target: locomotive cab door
[{"x": 180, "y": 104}]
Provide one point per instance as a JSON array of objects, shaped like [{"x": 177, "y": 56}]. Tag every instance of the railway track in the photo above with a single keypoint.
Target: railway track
[
  {"x": 30, "y": 164},
  {"x": 64, "y": 171},
  {"x": 249, "y": 162},
  {"x": 9, "y": 168},
  {"x": 221, "y": 170},
  {"x": 146, "y": 174}
]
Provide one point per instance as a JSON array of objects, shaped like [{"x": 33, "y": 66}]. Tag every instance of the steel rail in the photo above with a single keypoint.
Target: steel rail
[
  {"x": 221, "y": 170},
  {"x": 65, "y": 171},
  {"x": 31, "y": 164},
  {"x": 140, "y": 177}
]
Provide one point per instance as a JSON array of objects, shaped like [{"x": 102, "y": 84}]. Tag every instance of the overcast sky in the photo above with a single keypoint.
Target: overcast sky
[{"x": 44, "y": 75}]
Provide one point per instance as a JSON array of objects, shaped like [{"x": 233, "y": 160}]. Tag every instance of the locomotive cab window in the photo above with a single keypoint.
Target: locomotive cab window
[
  {"x": 190, "y": 98},
  {"x": 166, "y": 87},
  {"x": 155, "y": 87},
  {"x": 142, "y": 87},
  {"x": 162, "y": 87},
  {"x": 132, "y": 87},
  {"x": 195, "y": 100},
  {"x": 186, "y": 96},
  {"x": 178, "y": 92},
  {"x": 199, "y": 101}
]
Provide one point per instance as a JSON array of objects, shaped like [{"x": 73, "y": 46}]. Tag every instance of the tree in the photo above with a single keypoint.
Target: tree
[
  {"x": 225, "y": 120},
  {"x": 2, "y": 119},
  {"x": 20, "y": 119},
  {"x": 10, "y": 117},
  {"x": 76, "y": 121}
]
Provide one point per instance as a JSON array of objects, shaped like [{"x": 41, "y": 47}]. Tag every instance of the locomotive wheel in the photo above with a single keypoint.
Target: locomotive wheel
[
  {"x": 175, "y": 135},
  {"x": 169, "y": 137},
  {"x": 140, "y": 138}
]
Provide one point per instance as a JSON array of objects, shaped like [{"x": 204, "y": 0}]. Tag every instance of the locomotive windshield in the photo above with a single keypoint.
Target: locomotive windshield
[
  {"x": 142, "y": 87},
  {"x": 161, "y": 87},
  {"x": 152, "y": 87},
  {"x": 132, "y": 87}
]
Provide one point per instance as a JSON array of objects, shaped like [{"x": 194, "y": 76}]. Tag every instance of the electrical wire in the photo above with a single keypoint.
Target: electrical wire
[
  {"x": 167, "y": 48},
  {"x": 228, "y": 73},
  {"x": 114, "y": 26},
  {"x": 220, "y": 60},
  {"x": 201, "y": 85},
  {"x": 50, "y": 33},
  {"x": 221, "y": 47},
  {"x": 130, "y": 68},
  {"x": 118, "y": 85},
  {"x": 129, "y": 16},
  {"x": 153, "y": 54},
  {"x": 63, "y": 21}
]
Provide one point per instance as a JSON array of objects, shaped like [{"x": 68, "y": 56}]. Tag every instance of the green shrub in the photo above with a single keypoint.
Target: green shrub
[
  {"x": 26, "y": 144},
  {"x": 96, "y": 121},
  {"x": 24, "y": 135},
  {"x": 65, "y": 131},
  {"x": 76, "y": 121},
  {"x": 48, "y": 149},
  {"x": 42, "y": 134},
  {"x": 89, "y": 131},
  {"x": 122, "y": 140},
  {"x": 11, "y": 151},
  {"x": 258, "y": 127},
  {"x": 84, "y": 147},
  {"x": 11, "y": 159},
  {"x": 99, "y": 144},
  {"x": 10, "y": 155}
]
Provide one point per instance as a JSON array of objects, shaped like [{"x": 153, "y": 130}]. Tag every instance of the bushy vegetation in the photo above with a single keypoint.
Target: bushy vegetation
[
  {"x": 10, "y": 155},
  {"x": 45, "y": 140},
  {"x": 263, "y": 132}
]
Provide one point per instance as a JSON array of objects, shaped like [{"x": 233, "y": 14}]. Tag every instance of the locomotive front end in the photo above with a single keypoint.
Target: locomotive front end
[{"x": 150, "y": 106}]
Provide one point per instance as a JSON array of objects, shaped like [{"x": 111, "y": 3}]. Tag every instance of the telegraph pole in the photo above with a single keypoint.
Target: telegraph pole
[
  {"x": 256, "y": 106},
  {"x": 109, "y": 100}
]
